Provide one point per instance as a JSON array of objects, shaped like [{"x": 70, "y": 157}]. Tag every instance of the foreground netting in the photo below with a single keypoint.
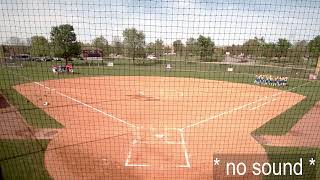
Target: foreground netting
[{"x": 159, "y": 89}]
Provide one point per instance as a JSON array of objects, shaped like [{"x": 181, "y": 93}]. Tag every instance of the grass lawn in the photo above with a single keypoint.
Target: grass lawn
[
  {"x": 23, "y": 159},
  {"x": 32, "y": 114}
]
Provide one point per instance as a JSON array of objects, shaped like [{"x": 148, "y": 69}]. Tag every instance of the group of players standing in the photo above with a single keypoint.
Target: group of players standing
[{"x": 271, "y": 80}]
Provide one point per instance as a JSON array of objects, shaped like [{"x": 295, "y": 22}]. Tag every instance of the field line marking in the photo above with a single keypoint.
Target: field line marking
[
  {"x": 218, "y": 115},
  {"x": 256, "y": 107},
  {"x": 128, "y": 157},
  {"x": 133, "y": 165},
  {"x": 243, "y": 106},
  {"x": 166, "y": 138},
  {"x": 134, "y": 141},
  {"x": 87, "y": 105},
  {"x": 291, "y": 89},
  {"x": 184, "y": 146},
  {"x": 51, "y": 89}
]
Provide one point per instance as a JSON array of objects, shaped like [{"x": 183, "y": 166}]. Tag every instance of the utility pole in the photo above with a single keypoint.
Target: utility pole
[{"x": 318, "y": 66}]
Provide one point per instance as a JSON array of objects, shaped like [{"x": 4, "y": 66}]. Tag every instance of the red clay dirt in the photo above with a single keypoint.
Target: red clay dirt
[
  {"x": 305, "y": 133},
  {"x": 109, "y": 122}
]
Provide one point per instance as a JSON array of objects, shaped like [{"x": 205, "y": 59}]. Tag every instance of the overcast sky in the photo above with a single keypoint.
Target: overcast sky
[{"x": 227, "y": 22}]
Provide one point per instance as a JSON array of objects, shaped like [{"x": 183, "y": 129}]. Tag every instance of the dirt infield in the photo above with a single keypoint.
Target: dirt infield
[{"x": 151, "y": 127}]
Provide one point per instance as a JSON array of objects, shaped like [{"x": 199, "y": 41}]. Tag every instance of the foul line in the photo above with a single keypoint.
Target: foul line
[
  {"x": 262, "y": 104},
  {"x": 87, "y": 105},
  {"x": 241, "y": 107},
  {"x": 186, "y": 156}
]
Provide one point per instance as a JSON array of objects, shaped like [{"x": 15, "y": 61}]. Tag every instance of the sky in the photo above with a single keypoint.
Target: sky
[{"x": 227, "y": 22}]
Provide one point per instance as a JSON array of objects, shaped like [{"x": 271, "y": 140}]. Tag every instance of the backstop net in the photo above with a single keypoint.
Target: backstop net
[{"x": 159, "y": 89}]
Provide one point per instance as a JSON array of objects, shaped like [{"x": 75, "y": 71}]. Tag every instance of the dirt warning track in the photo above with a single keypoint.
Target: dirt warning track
[{"x": 151, "y": 127}]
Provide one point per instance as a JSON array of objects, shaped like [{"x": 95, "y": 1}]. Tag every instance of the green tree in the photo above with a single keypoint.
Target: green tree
[
  {"x": 159, "y": 47},
  {"x": 134, "y": 43},
  {"x": 85, "y": 45},
  {"x": 2, "y": 53},
  {"x": 253, "y": 47},
  {"x": 117, "y": 46},
  {"x": 191, "y": 47},
  {"x": 205, "y": 45},
  {"x": 234, "y": 49},
  {"x": 269, "y": 50},
  {"x": 39, "y": 46},
  {"x": 301, "y": 47},
  {"x": 167, "y": 49},
  {"x": 156, "y": 48},
  {"x": 178, "y": 47},
  {"x": 297, "y": 52},
  {"x": 150, "y": 49},
  {"x": 64, "y": 42},
  {"x": 102, "y": 44},
  {"x": 314, "y": 47},
  {"x": 283, "y": 46}
]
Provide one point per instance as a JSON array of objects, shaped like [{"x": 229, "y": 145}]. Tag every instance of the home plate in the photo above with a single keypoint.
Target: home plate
[
  {"x": 159, "y": 136},
  {"x": 157, "y": 156},
  {"x": 158, "y": 148}
]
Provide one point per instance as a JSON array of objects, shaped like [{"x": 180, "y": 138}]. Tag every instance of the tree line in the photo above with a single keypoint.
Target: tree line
[
  {"x": 63, "y": 43},
  {"x": 283, "y": 48}
]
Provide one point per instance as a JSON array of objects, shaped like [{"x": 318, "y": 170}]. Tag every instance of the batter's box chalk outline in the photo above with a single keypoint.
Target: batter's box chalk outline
[
  {"x": 172, "y": 134},
  {"x": 135, "y": 143}
]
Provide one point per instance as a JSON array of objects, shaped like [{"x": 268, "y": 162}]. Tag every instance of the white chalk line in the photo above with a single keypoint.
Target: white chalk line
[
  {"x": 182, "y": 129},
  {"x": 256, "y": 107},
  {"x": 241, "y": 107},
  {"x": 183, "y": 145},
  {"x": 133, "y": 142},
  {"x": 87, "y": 105},
  {"x": 166, "y": 137},
  {"x": 129, "y": 157}
]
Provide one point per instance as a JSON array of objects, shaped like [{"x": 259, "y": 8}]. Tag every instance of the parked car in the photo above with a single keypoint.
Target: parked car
[
  {"x": 48, "y": 58},
  {"x": 35, "y": 58},
  {"x": 151, "y": 57},
  {"x": 57, "y": 59},
  {"x": 42, "y": 59},
  {"x": 22, "y": 57}
]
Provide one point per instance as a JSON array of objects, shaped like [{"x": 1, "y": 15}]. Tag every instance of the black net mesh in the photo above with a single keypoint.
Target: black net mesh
[{"x": 159, "y": 89}]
